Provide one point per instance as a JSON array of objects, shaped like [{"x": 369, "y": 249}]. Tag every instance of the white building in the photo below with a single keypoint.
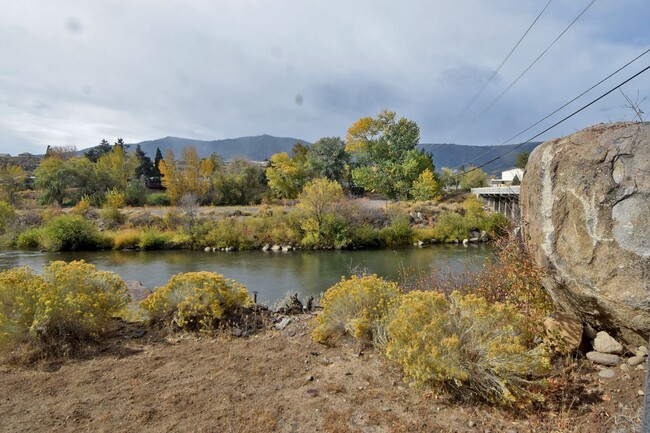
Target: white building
[{"x": 508, "y": 176}]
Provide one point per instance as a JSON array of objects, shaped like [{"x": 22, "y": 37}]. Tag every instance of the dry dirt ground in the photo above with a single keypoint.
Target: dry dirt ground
[{"x": 277, "y": 381}]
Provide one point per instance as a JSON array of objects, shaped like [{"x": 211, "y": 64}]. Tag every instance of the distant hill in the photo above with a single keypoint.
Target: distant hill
[
  {"x": 261, "y": 147},
  {"x": 456, "y": 155},
  {"x": 256, "y": 148}
]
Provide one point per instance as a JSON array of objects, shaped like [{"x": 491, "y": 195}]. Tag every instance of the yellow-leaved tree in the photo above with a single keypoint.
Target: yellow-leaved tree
[
  {"x": 116, "y": 168},
  {"x": 189, "y": 175}
]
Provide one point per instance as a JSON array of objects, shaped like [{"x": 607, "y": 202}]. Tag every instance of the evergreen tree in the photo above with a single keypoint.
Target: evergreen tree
[
  {"x": 145, "y": 166},
  {"x": 156, "y": 163},
  {"x": 96, "y": 152}
]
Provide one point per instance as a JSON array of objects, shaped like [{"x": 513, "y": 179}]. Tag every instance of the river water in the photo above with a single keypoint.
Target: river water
[{"x": 272, "y": 274}]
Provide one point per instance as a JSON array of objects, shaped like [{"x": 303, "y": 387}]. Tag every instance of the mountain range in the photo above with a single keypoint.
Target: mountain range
[{"x": 261, "y": 147}]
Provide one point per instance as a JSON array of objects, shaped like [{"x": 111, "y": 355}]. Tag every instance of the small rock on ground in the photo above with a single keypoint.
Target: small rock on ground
[
  {"x": 283, "y": 323},
  {"x": 603, "y": 358},
  {"x": 605, "y": 343},
  {"x": 636, "y": 360},
  {"x": 607, "y": 373}
]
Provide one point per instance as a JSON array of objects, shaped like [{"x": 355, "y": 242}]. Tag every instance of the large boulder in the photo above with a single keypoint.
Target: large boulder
[{"x": 585, "y": 204}]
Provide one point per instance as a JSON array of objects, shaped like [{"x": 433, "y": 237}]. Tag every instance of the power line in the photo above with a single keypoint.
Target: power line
[
  {"x": 507, "y": 89},
  {"x": 564, "y": 105},
  {"x": 558, "y": 122},
  {"x": 496, "y": 71}
]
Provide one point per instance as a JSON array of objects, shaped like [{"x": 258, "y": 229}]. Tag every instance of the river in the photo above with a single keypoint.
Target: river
[{"x": 272, "y": 274}]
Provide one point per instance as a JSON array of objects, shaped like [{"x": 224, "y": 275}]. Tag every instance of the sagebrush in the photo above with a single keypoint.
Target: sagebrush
[
  {"x": 195, "y": 301},
  {"x": 69, "y": 303},
  {"x": 358, "y": 306},
  {"x": 468, "y": 346}
]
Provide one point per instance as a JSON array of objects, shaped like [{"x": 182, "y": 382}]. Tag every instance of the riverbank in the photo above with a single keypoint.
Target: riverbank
[
  {"x": 345, "y": 224},
  {"x": 278, "y": 381}
]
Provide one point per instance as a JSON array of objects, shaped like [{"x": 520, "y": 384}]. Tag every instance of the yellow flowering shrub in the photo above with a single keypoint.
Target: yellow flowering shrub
[
  {"x": 68, "y": 303},
  {"x": 19, "y": 290},
  {"x": 359, "y": 306},
  {"x": 195, "y": 301},
  {"x": 473, "y": 348}
]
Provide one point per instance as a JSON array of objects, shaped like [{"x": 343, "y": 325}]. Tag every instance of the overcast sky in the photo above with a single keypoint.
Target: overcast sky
[{"x": 74, "y": 72}]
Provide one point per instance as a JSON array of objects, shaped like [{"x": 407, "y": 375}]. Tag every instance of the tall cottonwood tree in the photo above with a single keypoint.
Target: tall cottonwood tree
[
  {"x": 385, "y": 154},
  {"x": 189, "y": 175}
]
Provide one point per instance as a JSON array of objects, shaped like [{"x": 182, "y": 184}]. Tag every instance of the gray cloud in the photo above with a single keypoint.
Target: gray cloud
[{"x": 77, "y": 72}]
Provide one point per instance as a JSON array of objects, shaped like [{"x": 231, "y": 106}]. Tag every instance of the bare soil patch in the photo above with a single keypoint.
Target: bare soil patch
[{"x": 278, "y": 381}]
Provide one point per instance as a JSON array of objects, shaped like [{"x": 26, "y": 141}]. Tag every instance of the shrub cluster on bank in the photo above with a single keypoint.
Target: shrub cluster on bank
[
  {"x": 72, "y": 303},
  {"x": 475, "y": 345},
  {"x": 68, "y": 304},
  {"x": 323, "y": 218}
]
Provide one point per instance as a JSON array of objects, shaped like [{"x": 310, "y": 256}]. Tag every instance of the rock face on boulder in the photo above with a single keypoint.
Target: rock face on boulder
[{"x": 585, "y": 204}]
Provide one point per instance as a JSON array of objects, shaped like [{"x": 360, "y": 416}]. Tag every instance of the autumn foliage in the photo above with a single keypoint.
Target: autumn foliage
[{"x": 69, "y": 303}]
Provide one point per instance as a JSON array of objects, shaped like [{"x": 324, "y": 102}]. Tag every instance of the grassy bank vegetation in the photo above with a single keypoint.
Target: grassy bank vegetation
[{"x": 322, "y": 218}]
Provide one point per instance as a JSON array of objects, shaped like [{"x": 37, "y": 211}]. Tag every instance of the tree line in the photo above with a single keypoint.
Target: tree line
[{"x": 378, "y": 155}]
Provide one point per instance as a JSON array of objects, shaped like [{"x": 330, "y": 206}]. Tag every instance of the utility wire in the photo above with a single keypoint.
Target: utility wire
[
  {"x": 507, "y": 89},
  {"x": 496, "y": 71},
  {"x": 558, "y": 122},
  {"x": 563, "y": 106}
]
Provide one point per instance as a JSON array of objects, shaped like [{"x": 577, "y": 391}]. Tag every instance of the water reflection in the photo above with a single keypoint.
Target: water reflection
[{"x": 271, "y": 274}]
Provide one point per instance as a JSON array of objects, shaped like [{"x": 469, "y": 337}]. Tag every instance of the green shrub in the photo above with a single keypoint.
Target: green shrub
[
  {"x": 29, "y": 239},
  {"x": 473, "y": 348},
  {"x": 224, "y": 233},
  {"x": 152, "y": 239},
  {"x": 359, "y": 307},
  {"x": 111, "y": 217},
  {"x": 449, "y": 226},
  {"x": 399, "y": 232},
  {"x": 71, "y": 302},
  {"x": 158, "y": 199},
  {"x": 195, "y": 301},
  {"x": 365, "y": 235},
  {"x": 496, "y": 225},
  {"x": 69, "y": 233},
  {"x": 7, "y": 217},
  {"x": 337, "y": 231},
  {"x": 136, "y": 193}
]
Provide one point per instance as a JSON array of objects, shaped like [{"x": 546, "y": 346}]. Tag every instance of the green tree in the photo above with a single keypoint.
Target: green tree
[
  {"x": 450, "y": 178},
  {"x": 12, "y": 180},
  {"x": 239, "y": 182},
  {"x": 328, "y": 158},
  {"x": 473, "y": 178},
  {"x": 318, "y": 200},
  {"x": 288, "y": 174},
  {"x": 426, "y": 187},
  {"x": 145, "y": 167},
  {"x": 522, "y": 160},
  {"x": 387, "y": 159},
  {"x": 156, "y": 162},
  {"x": 52, "y": 180},
  {"x": 96, "y": 152},
  {"x": 116, "y": 168}
]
